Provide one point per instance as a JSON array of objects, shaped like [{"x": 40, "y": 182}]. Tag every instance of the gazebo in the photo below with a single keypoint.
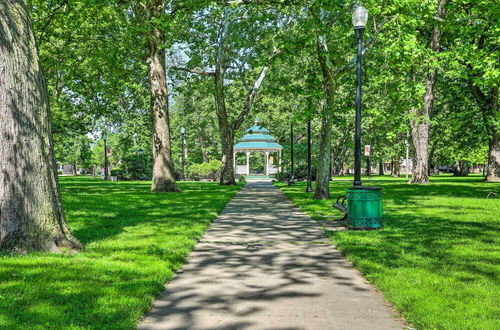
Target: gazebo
[{"x": 258, "y": 139}]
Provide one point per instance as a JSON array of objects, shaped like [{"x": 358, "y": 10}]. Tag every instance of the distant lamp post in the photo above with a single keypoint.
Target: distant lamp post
[
  {"x": 368, "y": 150},
  {"x": 135, "y": 139},
  {"x": 407, "y": 165},
  {"x": 140, "y": 151},
  {"x": 309, "y": 174},
  {"x": 359, "y": 19},
  {"x": 183, "y": 132},
  {"x": 104, "y": 138},
  {"x": 292, "y": 175}
]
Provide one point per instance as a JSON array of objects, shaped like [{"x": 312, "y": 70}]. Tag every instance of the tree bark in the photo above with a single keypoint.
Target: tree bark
[
  {"x": 31, "y": 212},
  {"x": 201, "y": 140},
  {"x": 380, "y": 168},
  {"x": 323, "y": 172},
  {"x": 227, "y": 176},
  {"x": 461, "y": 168},
  {"x": 494, "y": 155},
  {"x": 421, "y": 122},
  {"x": 488, "y": 103},
  {"x": 396, "y": 169},
  {"x": 163, "y": 166}
]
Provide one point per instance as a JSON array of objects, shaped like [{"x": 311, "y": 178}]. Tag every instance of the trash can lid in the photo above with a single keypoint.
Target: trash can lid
[{"x": 365, "y": 188}]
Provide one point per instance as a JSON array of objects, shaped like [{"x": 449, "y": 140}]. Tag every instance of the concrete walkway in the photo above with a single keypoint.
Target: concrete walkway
[{"x": 263, "y": 264}]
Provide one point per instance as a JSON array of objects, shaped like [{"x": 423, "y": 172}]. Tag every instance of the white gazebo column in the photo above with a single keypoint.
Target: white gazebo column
[
  {"x": 248, "y": 162},
  {"x": 267, "y": 162},
  {"x": 281, "y": 161},
  {"x": 234, "y": 163}
]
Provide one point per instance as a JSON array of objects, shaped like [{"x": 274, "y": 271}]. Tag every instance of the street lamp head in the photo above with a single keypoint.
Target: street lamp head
[
  {"x": 183, "y": 130},
  {"x": 104, "y": 136},
  {"x": 359, "y": 17}
]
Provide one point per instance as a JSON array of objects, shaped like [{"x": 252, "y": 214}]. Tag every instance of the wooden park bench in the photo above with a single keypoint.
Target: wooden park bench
[{"x": 341, "y": 206}]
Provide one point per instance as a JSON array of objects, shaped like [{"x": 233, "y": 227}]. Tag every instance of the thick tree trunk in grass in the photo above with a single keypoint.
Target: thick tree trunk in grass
[
  {"x": 163, "y": 166},
  {"x": 421, "y": 122},
  {"x": 396, "y": 170},
  {"x": 31, "y": 213},
  {"x": 380, "y": 168},
  {"x": 461, "y": 168},
  {"x": 323, "y": 172},
  {"x": 227, "y": 176},
  {"x": 201, "y": 140},
  {"x": 420, "y": 137},
  {"x": 494, "y": 156},
  {"x": 488, "y": 103}
]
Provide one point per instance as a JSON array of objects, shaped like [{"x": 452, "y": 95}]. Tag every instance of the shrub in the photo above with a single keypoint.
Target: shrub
[
  {"x": 282, "y": 176},
  {"x": 137, "y": 166},
  {"x": 210, "y": 170},
  {"x": 119, "y": 173}
]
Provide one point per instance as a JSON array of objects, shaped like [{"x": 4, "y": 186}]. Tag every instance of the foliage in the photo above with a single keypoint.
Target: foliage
[
  {"x": 436, "y": 258},
  {"x": 134, "y": 242},
  {"x": 210, "y": 170},
  {"x": 136, "y": 166}
]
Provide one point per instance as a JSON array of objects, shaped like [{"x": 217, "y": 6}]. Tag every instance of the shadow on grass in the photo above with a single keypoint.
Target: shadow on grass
[
  {"x": 437, "y": 257},
  {"x": 103, "y": 209},
  {"x": 134, "y": 241}
]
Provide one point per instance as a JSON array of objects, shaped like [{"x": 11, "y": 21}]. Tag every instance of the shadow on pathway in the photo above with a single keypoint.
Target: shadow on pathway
[{"x": 263, "y": 264}]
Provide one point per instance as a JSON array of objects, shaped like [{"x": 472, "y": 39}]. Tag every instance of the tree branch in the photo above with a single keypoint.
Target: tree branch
[
  {"x": 252, "y": 92},
  {"x": 195, "y": 71}
]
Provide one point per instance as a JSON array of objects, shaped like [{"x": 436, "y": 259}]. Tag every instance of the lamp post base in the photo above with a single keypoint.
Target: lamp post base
[{"x": 309, "y": 186}]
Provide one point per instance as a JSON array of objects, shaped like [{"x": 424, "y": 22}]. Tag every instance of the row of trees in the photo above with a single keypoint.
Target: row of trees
[{"x": 139, "y": 68}]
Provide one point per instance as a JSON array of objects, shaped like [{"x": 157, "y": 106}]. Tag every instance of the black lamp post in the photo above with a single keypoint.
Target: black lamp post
[
  {"x": 368, "y": 153},
  {"x": 292, "y": 176},
  {"x": 309, "y": 179},
  {"x": 183, "y": 132},
  {"x": 105, "y": 156},
  {"x": 359, "y": 19}
]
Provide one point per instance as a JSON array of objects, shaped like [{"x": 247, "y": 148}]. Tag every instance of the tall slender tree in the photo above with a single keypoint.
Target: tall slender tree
[
  {"x": 420, "y": 122},
  {"x": 151, "y": 12}
]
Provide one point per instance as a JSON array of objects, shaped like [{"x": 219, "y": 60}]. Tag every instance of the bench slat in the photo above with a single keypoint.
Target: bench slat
[{"x": 340, "y": 207}]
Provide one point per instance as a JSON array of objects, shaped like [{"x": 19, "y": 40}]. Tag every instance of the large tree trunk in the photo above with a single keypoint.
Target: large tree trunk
[
  {"x": 323, "y": 172},
  {"x": 396, "y": 169},
  {"x": 494, "y": 155},
  {"x": 380, "y": 168},
  {"x": 461, "y": 168},
  {"x": 227, "y": 175},
  {"x": 420, "y": 125},
  {"x": 163, "y": 166},
  {"x": 201, "y": 140},
  {"x": 227, "y": 168},
  {"x": 420, "y": 137},
  {"x": 488, "y": 103},
  {"x": 31, "y": 213}
]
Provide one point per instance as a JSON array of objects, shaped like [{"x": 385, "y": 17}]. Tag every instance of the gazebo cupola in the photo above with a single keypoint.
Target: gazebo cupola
[{"x": 258, "y": 139}]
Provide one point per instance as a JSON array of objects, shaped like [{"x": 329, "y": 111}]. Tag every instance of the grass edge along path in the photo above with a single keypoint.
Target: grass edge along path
[
  {"x": 437, "y": 258},
  {"x": 134, "y": 242}
]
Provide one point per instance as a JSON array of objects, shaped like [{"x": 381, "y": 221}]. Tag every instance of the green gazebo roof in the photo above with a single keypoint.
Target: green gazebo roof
[{"x": 258, "y": 138}]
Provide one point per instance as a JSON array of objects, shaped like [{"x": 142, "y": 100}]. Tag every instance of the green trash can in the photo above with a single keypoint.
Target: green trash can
[{"x": 364, "y": 206}]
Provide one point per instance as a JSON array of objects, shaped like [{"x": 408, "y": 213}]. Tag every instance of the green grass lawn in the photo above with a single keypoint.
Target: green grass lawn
[
  {"x": 134, "y": 241},
  {"x": 438, "y": 257}
]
